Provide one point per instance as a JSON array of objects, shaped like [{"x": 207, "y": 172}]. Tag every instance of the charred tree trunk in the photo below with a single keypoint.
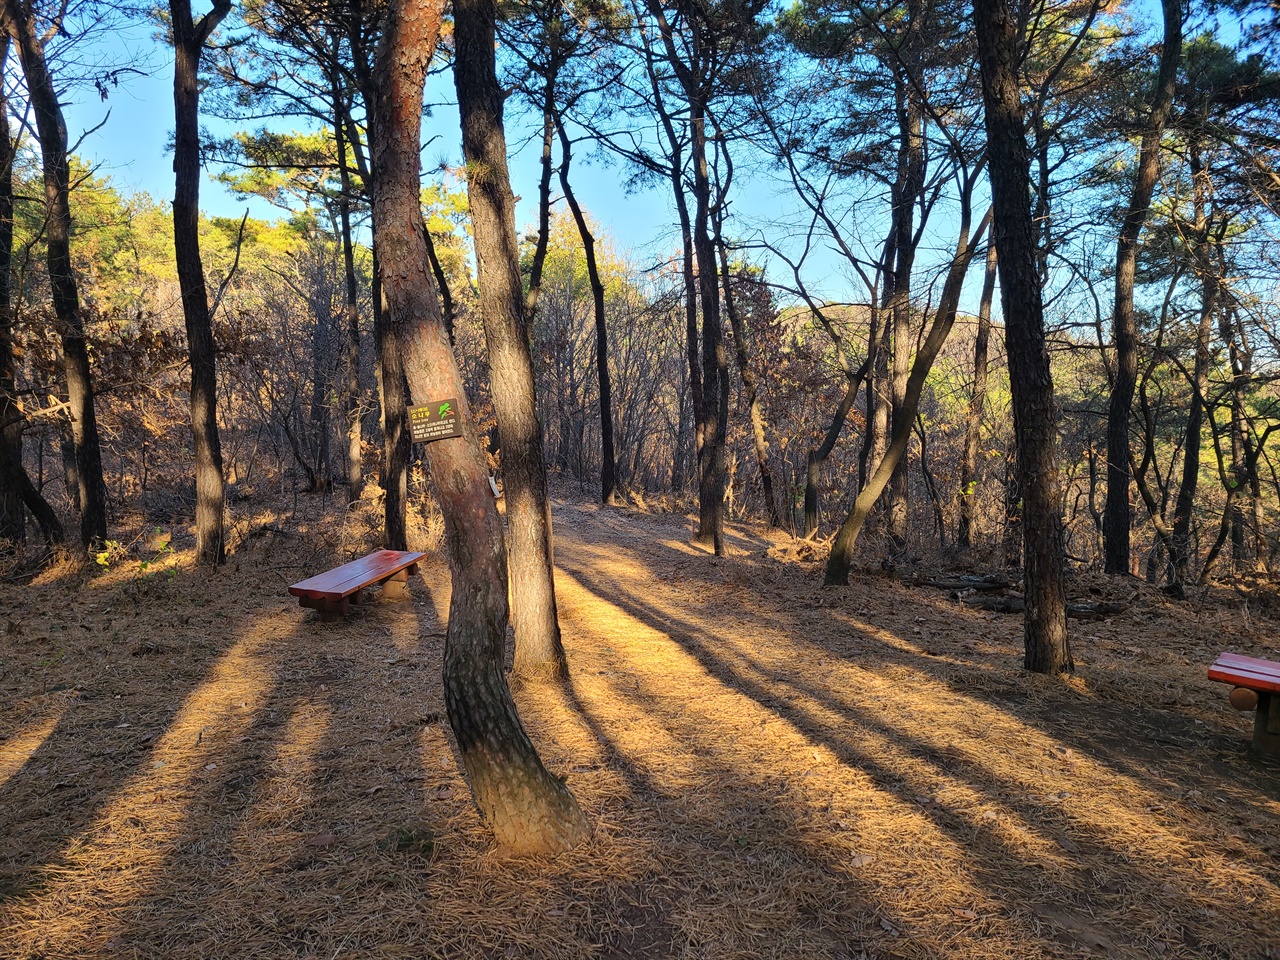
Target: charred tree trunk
[
  {"x": 977, "y": 401},
  {"x": 688, "y": 271},
  {"x": 1116, "y": 517},
  {"x": 52, "y": 131},
  {"x": 1045, "y": 625},
  {"x": 480, "y": 97},
  {"x": 608, "y": 471},
  {"x": 529, "y": 810},
  {"x": 13, "y": 516},
  {"x": 715, "y": 373}
]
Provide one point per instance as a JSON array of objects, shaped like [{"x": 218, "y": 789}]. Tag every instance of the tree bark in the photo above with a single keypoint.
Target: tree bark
[
  {"x": 1116, "y": 517},
  {"x": 688, "y": 272},
  {"x": 544, "y": 197},
  {"x": 529, "y": 810},
  {"x": 1047, "y": 649},
  {"x": 51, "y": 129},
  {"x": 977, "y": 401},
  {"x": 539, "y": 651}
]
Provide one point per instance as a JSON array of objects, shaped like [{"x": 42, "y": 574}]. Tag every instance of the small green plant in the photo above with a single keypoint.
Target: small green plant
[
  {"x": 151, "y": 566},
  {"x": 113, "y": 552}
]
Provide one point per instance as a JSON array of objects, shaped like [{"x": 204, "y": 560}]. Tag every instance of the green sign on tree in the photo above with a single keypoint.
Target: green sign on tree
[{"x": 437, "y": 420}]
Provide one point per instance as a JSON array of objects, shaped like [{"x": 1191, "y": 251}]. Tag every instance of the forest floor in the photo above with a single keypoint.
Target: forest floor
[{"x": 193, "y": 766}]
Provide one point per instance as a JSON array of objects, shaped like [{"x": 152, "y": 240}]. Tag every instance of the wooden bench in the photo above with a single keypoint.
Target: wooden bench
[
  {"x": 1255, "y": 686},
  {"x": 333, "y": 591}
]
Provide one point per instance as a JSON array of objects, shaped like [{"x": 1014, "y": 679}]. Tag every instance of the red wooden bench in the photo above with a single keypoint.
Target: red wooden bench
[
  {"x": 1255, "y": 686},
  {"x": 333, "y": 591}
]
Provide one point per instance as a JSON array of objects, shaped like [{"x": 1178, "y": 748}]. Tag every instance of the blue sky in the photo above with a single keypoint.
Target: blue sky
[{"x": 130, "y": 148}]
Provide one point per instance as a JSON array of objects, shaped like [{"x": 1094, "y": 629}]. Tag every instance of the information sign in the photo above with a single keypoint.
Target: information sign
[{"x": 437, "y": 420}]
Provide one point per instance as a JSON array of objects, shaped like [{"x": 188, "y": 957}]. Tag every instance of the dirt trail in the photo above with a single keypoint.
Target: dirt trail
[{"x": 194, "y": 767}]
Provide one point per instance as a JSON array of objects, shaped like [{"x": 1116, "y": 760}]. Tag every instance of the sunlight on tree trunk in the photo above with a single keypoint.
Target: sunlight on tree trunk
[{"x": 529, "y": 810}]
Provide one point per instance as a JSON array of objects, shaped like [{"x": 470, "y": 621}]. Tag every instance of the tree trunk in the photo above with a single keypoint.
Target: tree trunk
[
  {"x": 608, "y": 471},
  {"x": 52, "y": 131},
  {"x": 318, "y": 414},
  {"x": 841, "y": 559},
  {"x": 749, "y": 386},
  {"x": 818, "y": 457},
  {"x": 1180, "y": 546},
  {"x": 539, "y": 651},
  {"x": 13, "y": 515},
  {"x": 977, "y": 401},
  {"x": 529, "y": 810},
  {"x": 351, "y": 311},
  {"x": 688, "y": 271},
  {"x": 395, "y": 438},
  {"x": 715, "y": 373},
  {"x": 544, "y": 197},
  {"x": 910, "y": 184},
  {"x": 1045, "y": 624},
  {"x": 1116, "y": 517}
]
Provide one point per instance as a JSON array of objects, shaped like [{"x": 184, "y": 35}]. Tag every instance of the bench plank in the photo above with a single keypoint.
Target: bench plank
[
  {"x": 343, "y": 581},
  {"x": 1260, "y": 675},
  {"x": 1261, "y": 678}
]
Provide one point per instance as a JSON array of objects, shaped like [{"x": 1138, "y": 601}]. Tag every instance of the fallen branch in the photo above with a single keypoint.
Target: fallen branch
[{"x": 1076, "y": 611}]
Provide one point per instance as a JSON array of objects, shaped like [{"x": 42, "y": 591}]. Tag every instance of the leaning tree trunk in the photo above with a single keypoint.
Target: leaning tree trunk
[
  {"x": 608, "y": 470},
  {"x": 1116, "y": 516},
  {"x": 539, "y": 651},
  {"x": 529, "y": 810},
  {"x": 52, "y": 131},
  {"x": 840, "y": 561},
  {"x": 1045, "y": 624}
]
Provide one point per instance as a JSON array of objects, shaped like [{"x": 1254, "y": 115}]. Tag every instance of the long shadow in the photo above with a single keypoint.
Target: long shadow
[
  {"x": 687, "y": 634},
  {"x": 183, "y": 822},
  {"x": 109, "y": 722},
  {"x": 1122, "y": 728},
  {"x": 695, "y": 830}
]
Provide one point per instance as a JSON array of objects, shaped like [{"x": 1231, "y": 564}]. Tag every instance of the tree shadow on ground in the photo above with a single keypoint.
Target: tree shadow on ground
[{"x": 1064, "y": 865}]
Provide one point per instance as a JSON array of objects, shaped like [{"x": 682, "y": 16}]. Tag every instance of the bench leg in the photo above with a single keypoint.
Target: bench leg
[
  {"x": 1266, "y": 726},
  {"x": 396, "y": 587},
  {"x": 329, "y": 610}
]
